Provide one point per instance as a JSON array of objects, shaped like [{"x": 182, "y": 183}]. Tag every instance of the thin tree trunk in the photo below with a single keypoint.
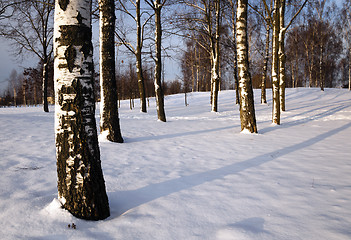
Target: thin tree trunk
[
  {"x": 247, "y": 107},
  {"x": 296, "y": 69},
  {"x": 14, "y": 96},
  {"x": 24, "y": 94},
  {"x": 235, "y": 62},
  {"x": 215, "y": 78},
  {"x": 45, "y": 85},
  {"x": 197, "y": 59},
  {"x": 282, "y": 57},
  {"x": 35, "y": 100},
  {"x": 292, "y": 74},
  {"x": 350, "y": 69},
  {"x": 265, "y": 66},
  {"x": 158, "y": 64},
  {"x": 275, "y": 66},
  {"x": 321, "y": 78},
  {"x": 139, "y": 68},
  {"x": 81, "y": 186},
  {"x": 109, "y": 119}
]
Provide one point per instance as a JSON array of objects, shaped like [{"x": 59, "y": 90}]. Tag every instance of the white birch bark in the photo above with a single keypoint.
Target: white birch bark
[
  {"x": 281, "y": 54},
  {"x": 247, "y": 108},
  {"x": 81, "y": 187},
  {"x": 215, "y": 76},
  {"x": 275, "y": 66}
]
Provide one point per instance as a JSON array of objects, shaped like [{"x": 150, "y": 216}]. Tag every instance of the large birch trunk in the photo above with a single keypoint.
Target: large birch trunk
[
  {"x": 109, "y": 119},
  {"x": 81, "y": 186},
  {"x": 158, "y": 64},
  {"x": 275, "y": 66},
  {"x": 139, "y": 68},
  {"x": 247, "y": 107}
]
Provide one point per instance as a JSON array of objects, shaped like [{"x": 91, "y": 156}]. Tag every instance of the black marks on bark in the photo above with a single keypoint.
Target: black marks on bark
[
  {"x": 70, "y": 55},
  {"x": 71, "y": 36},
  {"x": 63, "y": 4},
  {"x": 81, "y": 181},
  {"x": 79, "y": 18},
  {"x": 74, "y": 34},
  {"x": 86, "y": 48}
]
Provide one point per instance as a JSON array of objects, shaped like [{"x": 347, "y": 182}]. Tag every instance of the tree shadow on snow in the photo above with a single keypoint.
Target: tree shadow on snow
[
  {"x": 317, "y": 116},
  {"x": 123, "y": 201},
  {"x": 175, "y": 135}
]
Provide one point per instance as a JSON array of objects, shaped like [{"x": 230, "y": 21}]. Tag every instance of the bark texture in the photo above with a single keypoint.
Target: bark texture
[
  {"x": 215, "y": 73},
  {"x": 81, "y": 186},
  {"x": 139, "y": 68},
  {"x": 247, "y": 107},
  {"x": 265, "y": 65},
  {"x": 45, "y": 85},
  {"x": 158, "y": 63},
  {"x": 109, "y": 119},
  {"x": 275, "y": 66},
  {"x": 282, "y": 57}
]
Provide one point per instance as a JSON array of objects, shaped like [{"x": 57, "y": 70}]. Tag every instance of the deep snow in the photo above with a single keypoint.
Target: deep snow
[{"x": 195, "y": 176}]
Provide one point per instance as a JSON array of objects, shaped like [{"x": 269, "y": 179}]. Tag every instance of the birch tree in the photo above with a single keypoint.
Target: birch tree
[
  {"x": 232, "y": 5},
  {"x": 247, "y": 107},
  {"x": 204, "y": 20},
  {"x": 157, "y": 6},
  {"x": 275, "y": 65},
  {"x": 81, "y": 186},
  {"x": 215, "y": 57},
  {"x": 268, "y": 24},
  {"x": 109, "y": 119},
  {"x": 278, "y": 55}
]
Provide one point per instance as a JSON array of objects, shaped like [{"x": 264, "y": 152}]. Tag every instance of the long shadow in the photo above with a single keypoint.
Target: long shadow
[
  {"x": 261, "y": 131},
  {"x": 123, "y": 201},
  {"x": 306, "y": 105},
  {"x": 306, "y": 119},
  {"x": 181, "y": 134}
]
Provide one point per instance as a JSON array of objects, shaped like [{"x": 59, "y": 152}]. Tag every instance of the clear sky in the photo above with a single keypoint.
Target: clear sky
[{"x": 8, "y": 62}]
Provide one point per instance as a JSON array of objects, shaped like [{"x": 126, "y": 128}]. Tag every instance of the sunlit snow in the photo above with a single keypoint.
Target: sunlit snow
[{"x": 195, "y": 176}]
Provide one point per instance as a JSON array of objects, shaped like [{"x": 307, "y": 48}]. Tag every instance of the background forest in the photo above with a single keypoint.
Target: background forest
[{"x": 317, "y": 45}]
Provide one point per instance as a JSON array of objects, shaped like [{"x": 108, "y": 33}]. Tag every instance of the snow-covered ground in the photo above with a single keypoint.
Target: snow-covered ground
[{"x": 195, "y": 176}]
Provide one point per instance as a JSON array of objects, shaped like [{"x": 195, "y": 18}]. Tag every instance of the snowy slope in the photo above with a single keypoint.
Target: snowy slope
[{"x": 195, "y": 176}]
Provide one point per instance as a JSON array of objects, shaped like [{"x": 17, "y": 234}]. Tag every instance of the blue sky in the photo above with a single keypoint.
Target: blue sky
[{"x": 8, "y": 62}]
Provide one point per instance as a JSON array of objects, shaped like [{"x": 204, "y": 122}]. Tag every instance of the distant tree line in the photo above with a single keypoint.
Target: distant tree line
[{"x": 25, "y": 88}]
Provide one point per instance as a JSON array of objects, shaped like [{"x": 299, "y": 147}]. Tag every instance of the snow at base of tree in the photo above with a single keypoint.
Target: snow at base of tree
[
  {"x": 103, "y": 135},
  {"x": 194, "y": 177}
]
